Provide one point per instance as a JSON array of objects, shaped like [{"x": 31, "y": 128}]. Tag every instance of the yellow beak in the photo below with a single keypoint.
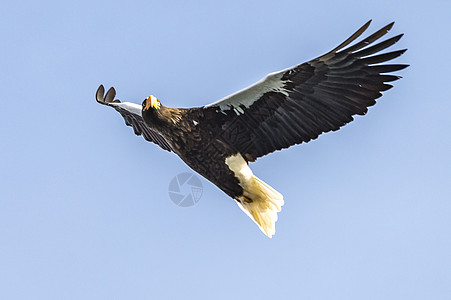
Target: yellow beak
[{"x": 153, "y": 102}]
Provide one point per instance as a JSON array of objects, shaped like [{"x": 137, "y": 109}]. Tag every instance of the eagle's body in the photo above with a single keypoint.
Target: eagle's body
[
  {"x": 285, "y": 108},
  {"x": 194, "y": 135}
]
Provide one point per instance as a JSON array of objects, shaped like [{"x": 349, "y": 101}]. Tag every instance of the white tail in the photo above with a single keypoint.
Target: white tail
[{"x": 259, "y": 201}]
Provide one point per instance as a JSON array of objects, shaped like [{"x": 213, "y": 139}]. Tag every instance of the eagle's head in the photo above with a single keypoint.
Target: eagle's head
[
  {"x": 156, "y": 114},
  {"x": 151, "y": 103}
]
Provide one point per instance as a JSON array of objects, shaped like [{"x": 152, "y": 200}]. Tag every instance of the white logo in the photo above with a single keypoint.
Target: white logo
[{"x": 185, "y": 189}]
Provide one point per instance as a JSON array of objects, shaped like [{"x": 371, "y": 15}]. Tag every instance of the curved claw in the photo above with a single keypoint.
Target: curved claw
[{"x": 109, "y": 97}]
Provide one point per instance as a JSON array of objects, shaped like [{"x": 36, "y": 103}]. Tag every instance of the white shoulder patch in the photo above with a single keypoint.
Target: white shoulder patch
[
  {"x": 128, "y": 106},
  {"x": 247, "y": 96}
]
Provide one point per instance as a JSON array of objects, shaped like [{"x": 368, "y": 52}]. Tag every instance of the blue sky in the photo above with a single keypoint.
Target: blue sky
[{"x": 85, "y": 211}]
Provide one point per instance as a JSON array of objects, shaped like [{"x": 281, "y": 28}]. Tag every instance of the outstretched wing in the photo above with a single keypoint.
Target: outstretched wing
[
  {"x": 297, "y": 104},
  {"x": 131, "y": 112}
]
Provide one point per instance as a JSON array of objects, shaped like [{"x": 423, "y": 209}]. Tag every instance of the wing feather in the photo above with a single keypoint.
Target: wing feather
[
  {"x": 297, "y": 104},
  {"x": 132, "y": 115}
]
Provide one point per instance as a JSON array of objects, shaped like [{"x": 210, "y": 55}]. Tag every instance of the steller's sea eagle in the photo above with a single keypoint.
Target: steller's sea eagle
[{"x": 285, "y": 108}]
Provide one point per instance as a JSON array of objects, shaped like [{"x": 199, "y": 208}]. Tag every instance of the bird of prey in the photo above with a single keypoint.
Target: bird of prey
[{"x": 285, "y": 108}]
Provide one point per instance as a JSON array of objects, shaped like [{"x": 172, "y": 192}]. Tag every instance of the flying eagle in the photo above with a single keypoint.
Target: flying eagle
[{"x": 285, "y": 108}]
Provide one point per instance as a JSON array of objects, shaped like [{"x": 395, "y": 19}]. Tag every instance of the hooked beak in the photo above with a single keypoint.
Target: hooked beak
[{"x": 152, "y": 102}]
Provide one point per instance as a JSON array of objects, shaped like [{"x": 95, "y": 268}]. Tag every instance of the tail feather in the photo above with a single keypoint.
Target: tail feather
[{"x": 261, "y": 203}]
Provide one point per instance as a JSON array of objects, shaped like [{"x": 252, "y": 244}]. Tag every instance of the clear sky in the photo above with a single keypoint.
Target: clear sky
[{"x": 84, "y": 206}]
